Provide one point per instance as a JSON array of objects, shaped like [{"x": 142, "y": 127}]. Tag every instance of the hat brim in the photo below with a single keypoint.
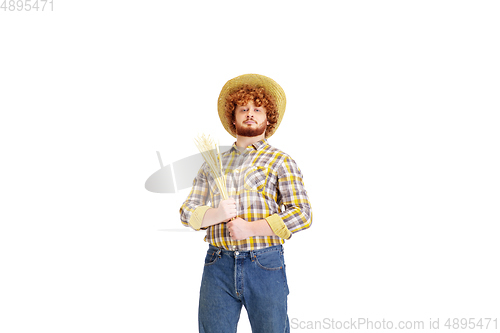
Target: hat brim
[{"x": 255, "y": 80}]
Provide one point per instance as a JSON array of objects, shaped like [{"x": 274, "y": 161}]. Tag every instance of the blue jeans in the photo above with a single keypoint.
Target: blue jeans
[{"x": 255, "y": 279}]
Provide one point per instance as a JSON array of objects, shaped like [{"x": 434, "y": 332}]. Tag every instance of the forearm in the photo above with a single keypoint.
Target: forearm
[
  {"x": 241, "y": 229},
  {"x": 261, "y": 228},
  {"x": 210, "y": 218},
  {"x": 258, "y": 228}
]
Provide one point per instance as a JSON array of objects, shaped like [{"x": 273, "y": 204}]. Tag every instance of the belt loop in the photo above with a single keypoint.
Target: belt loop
[
  {"x": 219, "y": 252},
  {"x": 252, "y": 255}
]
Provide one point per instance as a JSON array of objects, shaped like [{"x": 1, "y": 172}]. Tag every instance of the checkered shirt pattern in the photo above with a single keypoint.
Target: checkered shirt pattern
[{"x": 263, "y": 181}]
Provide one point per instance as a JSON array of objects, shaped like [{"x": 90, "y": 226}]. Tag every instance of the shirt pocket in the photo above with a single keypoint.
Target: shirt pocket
[
  {"x": 256, "y": 178},
  {"x": 213, "y": 186}
]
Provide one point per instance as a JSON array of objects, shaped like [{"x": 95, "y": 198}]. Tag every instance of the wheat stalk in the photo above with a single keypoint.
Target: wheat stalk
[{"x": 210, "y": 152}]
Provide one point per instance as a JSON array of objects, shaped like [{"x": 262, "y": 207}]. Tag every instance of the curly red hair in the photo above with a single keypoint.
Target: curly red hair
[{"x": 260, "y": 97}]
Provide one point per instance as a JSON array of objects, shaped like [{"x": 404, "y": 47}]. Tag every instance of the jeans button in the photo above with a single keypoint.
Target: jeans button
[{"x": 236, "y": 253}]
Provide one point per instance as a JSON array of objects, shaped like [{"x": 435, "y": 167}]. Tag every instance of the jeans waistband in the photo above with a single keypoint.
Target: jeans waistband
[{"x": 249, "y": 253}]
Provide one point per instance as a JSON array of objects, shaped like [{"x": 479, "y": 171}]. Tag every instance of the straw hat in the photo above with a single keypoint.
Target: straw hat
[{"x": 255, "y": 80}]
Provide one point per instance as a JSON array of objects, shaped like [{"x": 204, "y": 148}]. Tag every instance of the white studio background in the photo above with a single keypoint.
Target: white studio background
[{"x": 392, "y": 115}]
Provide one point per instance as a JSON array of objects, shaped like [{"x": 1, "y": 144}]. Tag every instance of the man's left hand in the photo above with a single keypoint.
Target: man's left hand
[{"x": 240, "y": 229}]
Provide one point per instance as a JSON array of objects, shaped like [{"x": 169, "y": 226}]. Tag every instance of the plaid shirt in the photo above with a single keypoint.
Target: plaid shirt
[{"x": 266, "y": 184}]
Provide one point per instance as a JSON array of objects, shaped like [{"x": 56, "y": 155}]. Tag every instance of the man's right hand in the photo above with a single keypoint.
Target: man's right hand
[{"x": 226, "y": 210}]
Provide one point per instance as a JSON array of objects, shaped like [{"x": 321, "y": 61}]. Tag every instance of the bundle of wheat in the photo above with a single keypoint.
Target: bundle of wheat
[{"x": 210, "y": 152}]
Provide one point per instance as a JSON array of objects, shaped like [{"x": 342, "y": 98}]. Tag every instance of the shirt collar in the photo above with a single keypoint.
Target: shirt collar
[
  {"x": 260, "y": 144},
  {"x": 256, "y": 146}
]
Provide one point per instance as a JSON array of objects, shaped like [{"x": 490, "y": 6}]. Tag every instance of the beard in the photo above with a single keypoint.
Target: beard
[{"x": 245, "y": 130}]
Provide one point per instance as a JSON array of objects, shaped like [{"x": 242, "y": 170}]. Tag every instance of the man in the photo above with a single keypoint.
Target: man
[{"x": 268, "y": 203}]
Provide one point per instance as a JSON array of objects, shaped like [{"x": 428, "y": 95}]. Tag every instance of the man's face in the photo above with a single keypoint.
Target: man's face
[{"x": 250, "y": 120}]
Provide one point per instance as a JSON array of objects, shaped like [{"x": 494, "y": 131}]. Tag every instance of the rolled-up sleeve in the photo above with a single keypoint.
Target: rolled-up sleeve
[
  {"x": 297, "y": 213},
  {"x": 194, "y": 208}
]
